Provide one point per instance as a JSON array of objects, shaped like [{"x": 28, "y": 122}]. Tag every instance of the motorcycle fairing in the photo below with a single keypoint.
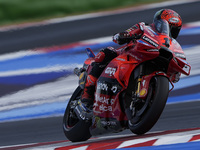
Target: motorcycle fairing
[
  {"x": 109, "y": 114},
  {"x": 107, "y": 105},
  {"x": 113, "y": 80},
  {"x": 180, "y": 65}
]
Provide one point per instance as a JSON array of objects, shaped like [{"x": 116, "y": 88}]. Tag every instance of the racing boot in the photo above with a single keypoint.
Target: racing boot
[{"x": 85, "y": 105}]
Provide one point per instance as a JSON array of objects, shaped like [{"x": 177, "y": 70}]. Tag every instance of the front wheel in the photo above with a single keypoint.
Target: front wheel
[
  {"x": 148, "y": 113},
  {"x": 75, "y": 130}
]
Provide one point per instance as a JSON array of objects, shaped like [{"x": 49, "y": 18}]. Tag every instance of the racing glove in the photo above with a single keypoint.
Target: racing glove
[{"x": 122, "y": 38}]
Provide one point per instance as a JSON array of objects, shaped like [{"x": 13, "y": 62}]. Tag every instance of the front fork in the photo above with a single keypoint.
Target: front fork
[
  {"x": 141, "y": 98},
  {"x": 143, "y": 83}
]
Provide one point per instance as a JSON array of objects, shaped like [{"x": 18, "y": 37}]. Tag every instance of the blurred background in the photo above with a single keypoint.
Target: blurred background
[{"x": 42, "y": 41}]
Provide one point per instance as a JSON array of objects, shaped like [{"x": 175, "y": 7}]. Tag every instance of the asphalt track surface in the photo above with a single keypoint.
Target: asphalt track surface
[
  {"x": 175, "y": 116},
  {"x": 68, "y": 32}
]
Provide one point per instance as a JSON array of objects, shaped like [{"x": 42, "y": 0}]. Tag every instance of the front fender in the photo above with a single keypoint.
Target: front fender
[{"x": 144, "y": 83}]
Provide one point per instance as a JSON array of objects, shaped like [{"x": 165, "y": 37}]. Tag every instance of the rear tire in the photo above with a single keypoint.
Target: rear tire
[
  {"x": 158, "y": 94},
  {"x": 75, "y": 130}
]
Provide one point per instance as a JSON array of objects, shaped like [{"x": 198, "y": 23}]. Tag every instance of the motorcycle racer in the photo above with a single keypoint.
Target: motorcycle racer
[{"x": 135, "y": 32}]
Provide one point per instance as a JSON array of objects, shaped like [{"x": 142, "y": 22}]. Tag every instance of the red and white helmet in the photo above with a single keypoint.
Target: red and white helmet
[{"x": 173, "y": 18}]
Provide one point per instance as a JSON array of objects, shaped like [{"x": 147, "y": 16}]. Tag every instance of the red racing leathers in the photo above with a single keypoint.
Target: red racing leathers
[
  {"x": 135, "y": 31},
  {"x": 104, "y": 57}
]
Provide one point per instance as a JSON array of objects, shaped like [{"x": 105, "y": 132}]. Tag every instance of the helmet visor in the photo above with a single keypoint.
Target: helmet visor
[{"x": 175, "y": 31}]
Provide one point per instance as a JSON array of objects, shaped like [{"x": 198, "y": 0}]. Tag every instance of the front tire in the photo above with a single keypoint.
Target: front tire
[
  {"x": 75, "y": 130},
  {"x": 155, "y": 102}
]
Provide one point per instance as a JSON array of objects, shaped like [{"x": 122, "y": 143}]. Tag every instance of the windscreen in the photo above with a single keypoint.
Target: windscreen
[{"x": 162, "y": 26}]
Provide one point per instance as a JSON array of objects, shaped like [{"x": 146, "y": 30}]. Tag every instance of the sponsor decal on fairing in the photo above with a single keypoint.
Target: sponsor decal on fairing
[
  {"x": 111, "y": 71},
  {"x": 149, "y": 41}
]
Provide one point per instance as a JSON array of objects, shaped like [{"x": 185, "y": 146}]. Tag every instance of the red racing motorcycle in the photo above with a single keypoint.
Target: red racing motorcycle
[{"x": 132, "y": 91}]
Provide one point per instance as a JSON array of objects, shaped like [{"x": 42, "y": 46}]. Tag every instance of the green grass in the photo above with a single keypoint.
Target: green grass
[{"x": 18, "y": 11}]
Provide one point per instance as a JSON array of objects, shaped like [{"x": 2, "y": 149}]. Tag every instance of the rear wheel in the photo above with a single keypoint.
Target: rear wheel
[
  {"x": 75, "y": 130},
  {"x": 147, "y": 112}
]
